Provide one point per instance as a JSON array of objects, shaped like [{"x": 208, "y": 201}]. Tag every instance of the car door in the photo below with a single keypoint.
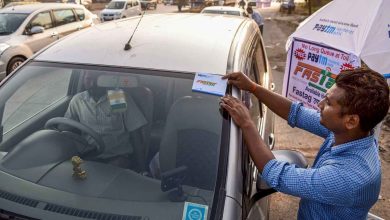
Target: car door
[
  {"x": 126, "y": 10},
  {"x": 37, "y": 41},
  {"x": 254, "y": 208},
  {"x": 66, "y": 21}
]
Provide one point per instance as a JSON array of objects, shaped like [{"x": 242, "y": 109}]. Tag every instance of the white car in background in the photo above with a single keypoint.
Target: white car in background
[
  {"x": 224, "y": 10},
  {"x": 25, "y": 29},
  {"x": 118, "y": 9}
]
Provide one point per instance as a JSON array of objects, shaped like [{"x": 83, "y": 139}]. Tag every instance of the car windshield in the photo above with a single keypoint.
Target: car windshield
[
  {"x": 10, "y": 22},
  {"x": 116, "y": 5},
  {"x": 145, "y": 141},
  {"x": 235, "y": 13}
]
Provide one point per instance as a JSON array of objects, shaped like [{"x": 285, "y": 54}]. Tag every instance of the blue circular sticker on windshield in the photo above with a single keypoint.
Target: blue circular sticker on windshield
[{"x": 193, "y": 211}]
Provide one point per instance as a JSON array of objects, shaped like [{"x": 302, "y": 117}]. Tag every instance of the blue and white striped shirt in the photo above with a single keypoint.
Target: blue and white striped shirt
[{"x": 344, "y": 182}]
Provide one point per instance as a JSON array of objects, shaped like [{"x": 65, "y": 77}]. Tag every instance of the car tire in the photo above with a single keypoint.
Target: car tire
[{"x": 14, "y": 63}]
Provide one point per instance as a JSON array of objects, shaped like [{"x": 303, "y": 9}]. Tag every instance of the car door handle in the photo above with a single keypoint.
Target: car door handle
[
  {"x": 54, "y": 34},
  {"x": 271, "y": 140}
]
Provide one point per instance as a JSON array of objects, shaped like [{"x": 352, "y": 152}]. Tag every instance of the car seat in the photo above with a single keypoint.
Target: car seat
[
  {"x": 191, "y": 138},
  {"x": 143, "y": 98}
]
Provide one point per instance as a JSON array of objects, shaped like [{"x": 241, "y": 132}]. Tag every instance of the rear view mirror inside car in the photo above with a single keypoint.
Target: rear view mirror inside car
[{"x": 116, "y": 81}]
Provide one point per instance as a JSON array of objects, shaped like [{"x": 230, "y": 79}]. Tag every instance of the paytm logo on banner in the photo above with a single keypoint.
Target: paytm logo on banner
[
  {"x": 317, "y": 58},
  {"x": 324, "y": 28}
]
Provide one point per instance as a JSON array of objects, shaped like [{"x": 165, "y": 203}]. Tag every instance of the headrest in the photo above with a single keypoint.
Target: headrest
[{"x": 117, "y": 81}]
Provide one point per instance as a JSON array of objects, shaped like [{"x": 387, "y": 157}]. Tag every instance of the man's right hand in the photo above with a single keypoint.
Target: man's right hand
[
  {"x": 277, "y": 103},
  {"x": 240, "y": 80}
]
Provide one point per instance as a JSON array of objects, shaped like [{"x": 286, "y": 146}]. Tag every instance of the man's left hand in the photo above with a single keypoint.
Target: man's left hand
[{"x": 237, "y": 110}]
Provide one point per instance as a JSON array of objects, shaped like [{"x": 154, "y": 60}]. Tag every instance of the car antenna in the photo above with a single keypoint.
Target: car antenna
[{"x": 127, "y": 45}]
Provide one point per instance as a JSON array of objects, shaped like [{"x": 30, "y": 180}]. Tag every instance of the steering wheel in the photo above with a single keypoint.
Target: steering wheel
[{"x": 53, "y": 124}]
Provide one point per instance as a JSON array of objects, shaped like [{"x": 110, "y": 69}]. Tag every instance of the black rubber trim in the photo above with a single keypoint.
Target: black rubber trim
[{"x": 220, "y": 186}]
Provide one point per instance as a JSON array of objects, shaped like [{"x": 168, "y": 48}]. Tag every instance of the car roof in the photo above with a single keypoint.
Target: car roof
[
  {"x": 223, "y": 8},
  {"x": 176, "y": 42},
  {"x": 29, "y": 8}
]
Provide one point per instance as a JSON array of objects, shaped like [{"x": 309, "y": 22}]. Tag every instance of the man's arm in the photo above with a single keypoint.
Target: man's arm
[
  {"x": 72, "y": 112},
  {"x": 296, "y": 115},
  {"x": 330, "y": 184},
  {"x": 258, "y": 150},
  {"x": 277, "y": 103}
]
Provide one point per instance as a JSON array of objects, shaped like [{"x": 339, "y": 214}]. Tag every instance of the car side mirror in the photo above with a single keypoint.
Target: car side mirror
[
  {"x": 292, "y": 157},
  {"x": 36, "y": 30}
]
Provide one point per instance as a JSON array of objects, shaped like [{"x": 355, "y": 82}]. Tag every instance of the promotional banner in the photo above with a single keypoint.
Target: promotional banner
[
  {"x": 311, "y": 70},
  {"x": 360, "y": 27}
]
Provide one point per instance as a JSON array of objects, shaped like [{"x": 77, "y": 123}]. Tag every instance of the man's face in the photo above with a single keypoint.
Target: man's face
[
  {"x": 89, "y": 79},
  {"x": 330, "y": 109}
]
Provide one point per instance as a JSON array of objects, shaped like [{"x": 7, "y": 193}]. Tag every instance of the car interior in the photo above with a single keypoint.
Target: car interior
[{"x": 184, "y": 127}]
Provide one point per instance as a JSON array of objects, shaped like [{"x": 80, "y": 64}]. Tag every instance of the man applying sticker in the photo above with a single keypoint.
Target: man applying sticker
[
  {"x": 111, "y": 114},
  {"x": 344, "y": 181}
]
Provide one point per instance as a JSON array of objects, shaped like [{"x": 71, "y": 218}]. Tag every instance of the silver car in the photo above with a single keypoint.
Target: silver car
[
  {"x": 25, "y": 29},
  {"x": 225, "y": 10},
  {"x": 200, "y": 167}
]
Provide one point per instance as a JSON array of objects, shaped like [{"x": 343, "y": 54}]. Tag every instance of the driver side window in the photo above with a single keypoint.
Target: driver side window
[{"x": 43, "y": 19}]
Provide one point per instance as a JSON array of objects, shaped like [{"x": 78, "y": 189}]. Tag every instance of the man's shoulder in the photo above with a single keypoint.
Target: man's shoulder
[{"x": 80, "y": 96}]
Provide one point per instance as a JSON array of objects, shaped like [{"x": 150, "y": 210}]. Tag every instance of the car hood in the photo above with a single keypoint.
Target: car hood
[{"x": 112, "y": 11}]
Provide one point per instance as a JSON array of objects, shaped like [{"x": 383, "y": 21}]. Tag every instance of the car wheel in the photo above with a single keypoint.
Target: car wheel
[{"x": 14, "y": 63}]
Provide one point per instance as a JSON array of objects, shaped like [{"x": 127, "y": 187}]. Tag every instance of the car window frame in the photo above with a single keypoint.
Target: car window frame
[
  {"x": 28, "y": 26},
  {"x": 77, "y": 15},
  {"x": 62, "y": 9},
  {"x": 248, "y": 167}
]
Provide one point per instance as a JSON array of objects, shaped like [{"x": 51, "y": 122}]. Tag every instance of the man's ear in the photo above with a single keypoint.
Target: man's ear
[{"x": 351, "y": 121}]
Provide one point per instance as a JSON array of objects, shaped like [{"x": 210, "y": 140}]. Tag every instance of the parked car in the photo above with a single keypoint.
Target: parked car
[
  {"x": 225, "y": 10},
  {"x": 25, "y": 29},
  {"x": 117, "y": 9},
  {"x": 86, "y": 3},
  {"x": 20, "y": 3},
  {"x": 287, "y": 5},
  {"x": 205, "y": 168},
  {"x": 147, "y": 4}
]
